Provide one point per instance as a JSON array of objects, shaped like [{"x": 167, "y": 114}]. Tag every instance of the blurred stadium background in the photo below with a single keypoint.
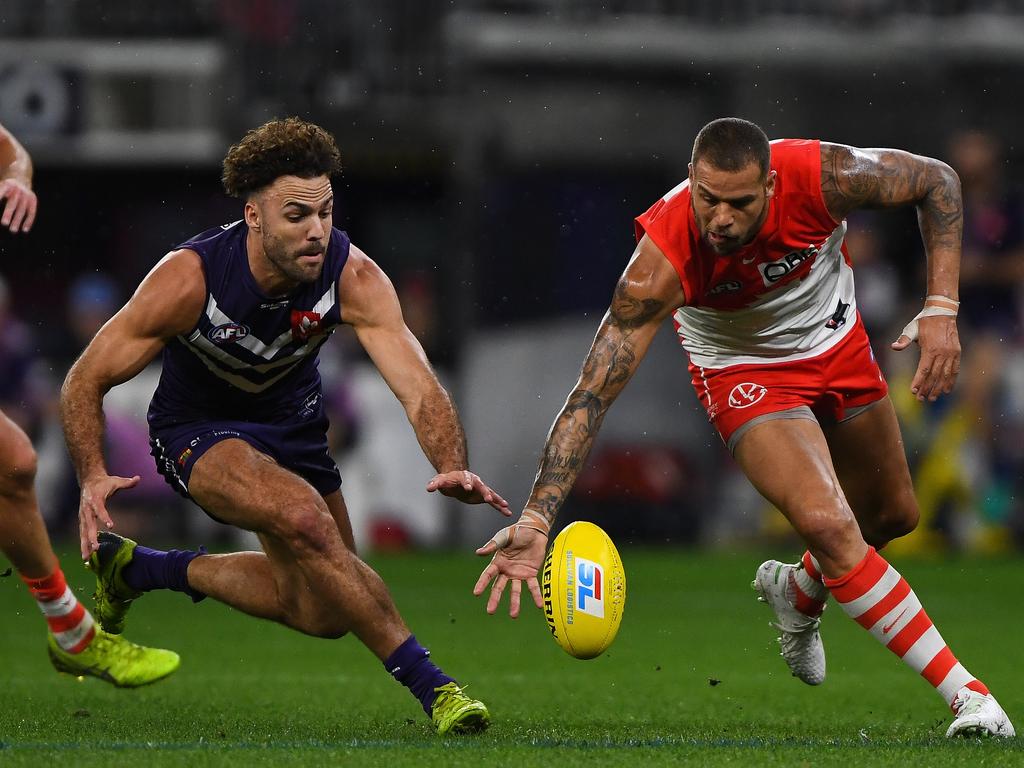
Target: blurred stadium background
[{"x": 496, "y": 153}]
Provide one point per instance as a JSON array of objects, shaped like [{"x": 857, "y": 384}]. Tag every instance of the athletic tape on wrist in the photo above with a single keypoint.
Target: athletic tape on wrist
[
  {"x": 530, "y": 520},
  {"x": 935, "y": 309}
]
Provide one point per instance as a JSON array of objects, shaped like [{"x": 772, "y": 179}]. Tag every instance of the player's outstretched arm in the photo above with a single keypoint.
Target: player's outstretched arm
[
  {"x": 854, "y": 178},
  {"x": 167, "y": 303},
  {"x": 16, "y": 195},
  {"x": 648, "y": 291},
  {"x": 370, "y": 305}
]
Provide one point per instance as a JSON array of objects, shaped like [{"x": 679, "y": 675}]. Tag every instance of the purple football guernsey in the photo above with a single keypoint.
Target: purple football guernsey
[{"x": 248, "y": 369}]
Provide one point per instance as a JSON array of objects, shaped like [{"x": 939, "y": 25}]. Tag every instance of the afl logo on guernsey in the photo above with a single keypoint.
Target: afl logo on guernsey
[
  {"x": 228, "y": 332},
  {"x": 746, "y": 394}
]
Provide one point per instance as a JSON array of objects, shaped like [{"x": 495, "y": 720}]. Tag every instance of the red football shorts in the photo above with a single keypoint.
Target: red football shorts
[{"x": 835, "y": 386}]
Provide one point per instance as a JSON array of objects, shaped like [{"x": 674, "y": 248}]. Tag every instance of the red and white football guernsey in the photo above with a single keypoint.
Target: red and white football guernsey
[
  {"x": 764, "y": 326},
  {"x": 775, "y": 299}
]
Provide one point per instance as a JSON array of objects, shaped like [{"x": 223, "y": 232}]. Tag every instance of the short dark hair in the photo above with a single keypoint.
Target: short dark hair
[
  {"x": 731, "y": 144},
  {"x": 289, "y": 147}
]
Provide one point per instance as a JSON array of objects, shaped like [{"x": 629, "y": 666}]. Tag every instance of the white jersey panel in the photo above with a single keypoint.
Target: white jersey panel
[{"x": 791, "y": 322}]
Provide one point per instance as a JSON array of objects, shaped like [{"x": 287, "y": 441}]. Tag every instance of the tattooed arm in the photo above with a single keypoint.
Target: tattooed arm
[
  {"x": 888, "y": 178},
  {"x": 646, "y": 294},
  {"x": 648, "y": 291}
]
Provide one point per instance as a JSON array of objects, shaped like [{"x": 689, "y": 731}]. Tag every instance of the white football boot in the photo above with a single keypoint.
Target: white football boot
[
  {"x": 978, "y": 714},
  {"x": 799, "y": 639}
]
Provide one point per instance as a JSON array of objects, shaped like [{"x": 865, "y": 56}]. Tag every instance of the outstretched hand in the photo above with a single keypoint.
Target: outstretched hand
[
  {"x": 468, "y": 488},
  {"x": 19, "y": 205},
  {"x": 518, "y": 552},
  {"x": 939, "y": 365},
  {"x": 92, "y": 509}
]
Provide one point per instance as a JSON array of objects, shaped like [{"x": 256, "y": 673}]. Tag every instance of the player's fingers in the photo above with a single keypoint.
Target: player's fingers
[
  {"x": 100, "y": 510},
  {"x": 30, "y": 219},
  {"x": 951, "y": 372},
  {"x": 534, "y": 588},
  {"x": 20, "y": 209},
  {"x": 444, "y": 480},
  {"x": 497, "y": 589},
  {"x": 921, "y": 376},
  {"x": 120, "y": 484},
  {"x": 11, "y": 196},
  {"x": 498, "y": 503},
  {"x": 902, "y": 342},
  {"x": 931, "y": 384},
  {"x": 516, "y": 591},
  {"x": 489, "y": 548},
  {"x": 486, "y": 575},
  {"x": 87, "y": 530}
]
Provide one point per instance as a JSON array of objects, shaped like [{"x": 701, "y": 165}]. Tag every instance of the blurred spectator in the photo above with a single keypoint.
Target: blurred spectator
[{"x": 92, "y": 298}]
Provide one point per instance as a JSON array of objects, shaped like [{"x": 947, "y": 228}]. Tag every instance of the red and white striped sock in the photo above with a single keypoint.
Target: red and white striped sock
[
  {"x": 810, "y": 593},
  {"x": 72, "y": 626},
  {"x": 880, "y": 600}
]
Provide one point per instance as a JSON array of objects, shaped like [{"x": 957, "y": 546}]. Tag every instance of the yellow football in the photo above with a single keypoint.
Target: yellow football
[{"x": 584, "y": 588}]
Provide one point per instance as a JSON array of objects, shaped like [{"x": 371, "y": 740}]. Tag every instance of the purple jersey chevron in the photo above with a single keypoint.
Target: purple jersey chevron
[{"x": 250, "y": 356}]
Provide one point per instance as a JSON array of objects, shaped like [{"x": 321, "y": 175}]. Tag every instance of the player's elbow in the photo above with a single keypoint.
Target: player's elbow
[{"x": 945, "y": 181}]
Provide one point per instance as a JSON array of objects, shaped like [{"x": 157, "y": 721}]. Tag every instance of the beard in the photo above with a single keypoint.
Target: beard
[{"x": 291, "y": 264}]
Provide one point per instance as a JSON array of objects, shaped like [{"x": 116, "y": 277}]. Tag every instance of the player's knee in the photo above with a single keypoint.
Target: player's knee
[
  {"x": 831, "y": 533},
  {"x": 898, "y": 518},
  {"x": 18, "y": 473},
  {"x": 308, "y": 528}
]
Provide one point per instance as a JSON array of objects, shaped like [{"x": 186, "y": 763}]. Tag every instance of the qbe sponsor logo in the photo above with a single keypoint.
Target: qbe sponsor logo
[
  {"x": 774, "y": 271},
  {"x": 589, "y": 588},
  {"x": 746, "y": 394}
]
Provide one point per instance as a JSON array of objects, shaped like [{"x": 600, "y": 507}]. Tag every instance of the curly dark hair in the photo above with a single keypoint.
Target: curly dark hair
[{"x": 289, "y": 147}]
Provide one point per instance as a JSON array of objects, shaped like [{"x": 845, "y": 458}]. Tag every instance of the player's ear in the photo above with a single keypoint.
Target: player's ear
[
  {"x": 769, "y": 185},
  {"x": 252, "y": 215}
]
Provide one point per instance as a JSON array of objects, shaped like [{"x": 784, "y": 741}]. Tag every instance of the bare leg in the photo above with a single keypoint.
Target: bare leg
[
  {"x": 872, "y": 468},
  {"x": 246, "y": 580},
  {"x": 23, "y": 536},
  {"x": 320, "y": 586},
  {"x": 788, "y": 461}
]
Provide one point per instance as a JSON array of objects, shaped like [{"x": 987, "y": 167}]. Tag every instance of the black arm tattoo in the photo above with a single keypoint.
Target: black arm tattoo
[
  {"x": 620, "y": 344},
  {"x": 888, "y": 178}
]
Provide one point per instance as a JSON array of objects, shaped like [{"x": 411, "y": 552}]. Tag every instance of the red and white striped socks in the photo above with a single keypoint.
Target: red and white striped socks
[
  {"x": 72, "y": 626},
  {"x": 875, "y": 596},
  {"x": 810, "y": 594}
]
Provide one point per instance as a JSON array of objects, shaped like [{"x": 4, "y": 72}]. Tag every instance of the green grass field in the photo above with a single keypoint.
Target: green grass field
[{"x": 692, "y": 679}]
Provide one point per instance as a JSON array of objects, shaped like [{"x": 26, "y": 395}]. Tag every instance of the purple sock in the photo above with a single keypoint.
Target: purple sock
[
  {"x": 153, "y": 569},
  {"x": 410, "y": 665}
]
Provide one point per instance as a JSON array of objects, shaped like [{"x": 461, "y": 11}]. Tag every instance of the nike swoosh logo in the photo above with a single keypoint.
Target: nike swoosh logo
[{"x": 885, "y": 629}]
